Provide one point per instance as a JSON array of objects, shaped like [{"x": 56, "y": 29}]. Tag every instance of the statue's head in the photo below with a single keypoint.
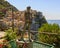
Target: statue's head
[{"x": 28, "y": 8}]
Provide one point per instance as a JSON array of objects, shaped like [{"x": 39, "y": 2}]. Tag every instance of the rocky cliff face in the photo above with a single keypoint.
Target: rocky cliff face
[{"x": 19, "y": 17}]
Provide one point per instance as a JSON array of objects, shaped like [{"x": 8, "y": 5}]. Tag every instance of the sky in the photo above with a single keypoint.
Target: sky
[{"x": 49, "y": 8}]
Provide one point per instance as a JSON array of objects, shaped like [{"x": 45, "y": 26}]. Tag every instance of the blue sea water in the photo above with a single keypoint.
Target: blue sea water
[{"x": 53, "y": 21}]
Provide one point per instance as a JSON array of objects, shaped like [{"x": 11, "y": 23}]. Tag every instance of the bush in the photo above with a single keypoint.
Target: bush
[
  {"x": 50, "y": 28},
  {"x": 10, "y": 35}
]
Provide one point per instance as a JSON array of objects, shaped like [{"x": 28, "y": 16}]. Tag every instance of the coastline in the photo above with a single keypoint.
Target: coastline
[{"x": 54, "y": 21}]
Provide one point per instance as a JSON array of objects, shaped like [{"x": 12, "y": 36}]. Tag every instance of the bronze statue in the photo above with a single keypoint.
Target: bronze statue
[{"x": 28, "y": 21}]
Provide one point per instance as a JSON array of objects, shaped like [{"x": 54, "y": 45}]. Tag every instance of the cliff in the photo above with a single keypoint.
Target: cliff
[{"x": 19, "y": 17}]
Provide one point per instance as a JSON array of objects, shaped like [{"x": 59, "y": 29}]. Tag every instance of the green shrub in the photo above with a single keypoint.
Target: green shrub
[
  {"x": 50, "y": 38},
  {"x": 10, "y": 35}
]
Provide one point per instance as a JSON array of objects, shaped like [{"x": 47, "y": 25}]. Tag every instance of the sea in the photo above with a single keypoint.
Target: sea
[{"x": 54, "y": 21}]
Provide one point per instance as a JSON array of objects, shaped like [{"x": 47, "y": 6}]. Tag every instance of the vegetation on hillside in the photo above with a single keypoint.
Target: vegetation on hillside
[
  {"x": 5, "y": 4},
  {"x": 50, "y": 38}
]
